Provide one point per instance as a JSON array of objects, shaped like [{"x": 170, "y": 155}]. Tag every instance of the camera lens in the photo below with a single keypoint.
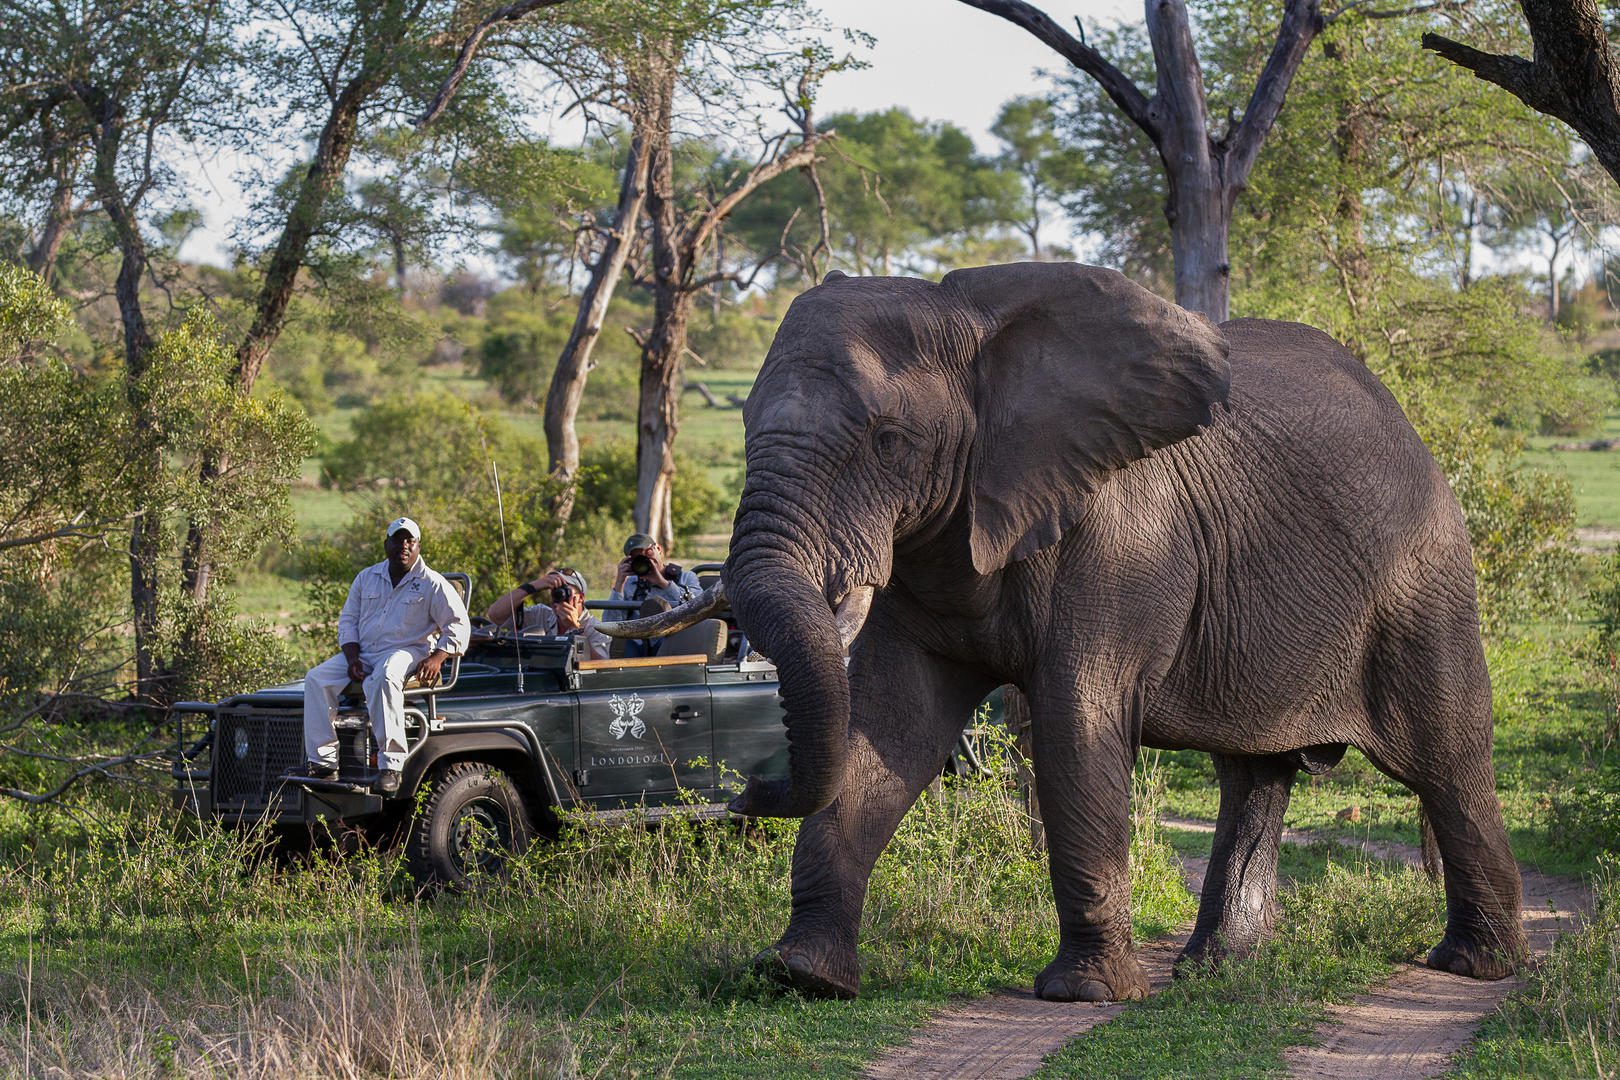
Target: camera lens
[
  {"x": 640, "y": 565},
  {"x": 562, "y": 594}
]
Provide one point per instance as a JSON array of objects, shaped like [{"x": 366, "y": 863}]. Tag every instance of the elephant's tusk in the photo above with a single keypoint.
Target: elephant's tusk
[
  {"x": 851, "y": 614},
  {"x": 710, "y": 601}
]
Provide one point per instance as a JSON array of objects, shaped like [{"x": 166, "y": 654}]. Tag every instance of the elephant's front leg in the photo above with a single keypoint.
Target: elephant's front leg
[
  {"x": 1084, "y": 753},
  {"x": 907, "y": 709}
]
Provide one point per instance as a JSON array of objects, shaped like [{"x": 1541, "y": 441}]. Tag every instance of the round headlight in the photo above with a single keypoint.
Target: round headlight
[{"x": 241, "y": 743}]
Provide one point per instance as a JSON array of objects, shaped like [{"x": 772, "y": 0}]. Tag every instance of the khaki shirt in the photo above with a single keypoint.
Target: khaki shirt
[
  {"x": 540, "y": 619},
  {"x": 423, "y": 612}
]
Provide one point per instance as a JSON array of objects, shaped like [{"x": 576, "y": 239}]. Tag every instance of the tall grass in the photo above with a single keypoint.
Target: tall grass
[
  {"x": 1566, "y": 1022},
  {"x": 149, "y": 946}
]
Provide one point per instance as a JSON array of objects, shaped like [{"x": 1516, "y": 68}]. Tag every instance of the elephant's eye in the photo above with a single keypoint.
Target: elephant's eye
[{"x": 892, "y": 445}]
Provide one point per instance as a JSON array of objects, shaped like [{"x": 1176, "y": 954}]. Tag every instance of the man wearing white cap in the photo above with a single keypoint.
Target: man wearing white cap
[{"x": 400, "y": 617}]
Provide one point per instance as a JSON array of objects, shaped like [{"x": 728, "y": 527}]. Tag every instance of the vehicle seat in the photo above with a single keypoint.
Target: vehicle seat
[{"x": 707, "y": 637}]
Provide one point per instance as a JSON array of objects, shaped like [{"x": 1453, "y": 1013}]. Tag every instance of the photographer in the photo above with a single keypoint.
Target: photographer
[
  {"x": 644, "y": 575},
  {"x": 553, "y": 603}
]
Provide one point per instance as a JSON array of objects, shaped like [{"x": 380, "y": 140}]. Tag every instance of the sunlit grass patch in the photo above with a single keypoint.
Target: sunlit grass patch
[{"x": 620, "y": 948}]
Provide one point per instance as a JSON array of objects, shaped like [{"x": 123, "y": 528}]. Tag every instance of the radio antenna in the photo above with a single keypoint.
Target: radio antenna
[{"x": 506, "y": 557}]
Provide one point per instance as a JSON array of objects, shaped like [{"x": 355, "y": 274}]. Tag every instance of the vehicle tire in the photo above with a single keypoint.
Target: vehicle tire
[{"x": 471, "y": 824}]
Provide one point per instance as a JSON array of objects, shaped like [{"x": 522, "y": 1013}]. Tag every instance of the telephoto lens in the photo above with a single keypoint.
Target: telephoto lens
[
  {"x": 562, "y": 594},
  {"x": 641, "y": 566}
]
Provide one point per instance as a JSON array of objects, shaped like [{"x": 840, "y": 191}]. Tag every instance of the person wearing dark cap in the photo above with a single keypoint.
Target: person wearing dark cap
[
  {"x": 400, "y": 617},
  {"x": 643, "y": 576},
  {"x": 553, "y": 603}
]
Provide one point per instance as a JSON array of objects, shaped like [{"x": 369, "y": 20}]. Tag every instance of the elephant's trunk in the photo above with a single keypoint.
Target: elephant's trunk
[
  {"x": 788, "y": 618},
  {"x": 710, "y": 602}
]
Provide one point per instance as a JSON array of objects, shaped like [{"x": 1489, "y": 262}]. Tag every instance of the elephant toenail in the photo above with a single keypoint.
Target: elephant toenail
[{"x": 1093, "y": 990}]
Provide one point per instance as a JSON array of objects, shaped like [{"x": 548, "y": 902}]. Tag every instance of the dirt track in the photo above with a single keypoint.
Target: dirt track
[
  {"x": 1412, "y": 1025},
  {"x": 1005, "y": 1035},
  {"x": 1409, "y": 1027}
]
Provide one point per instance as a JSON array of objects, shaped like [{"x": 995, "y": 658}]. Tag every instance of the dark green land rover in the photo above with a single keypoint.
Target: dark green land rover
[{"x": 520, "y": 728}]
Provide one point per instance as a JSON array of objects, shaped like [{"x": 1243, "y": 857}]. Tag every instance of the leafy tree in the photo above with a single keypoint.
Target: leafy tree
[
  {"x": 437, "y": 459},
  {"x": 901, "y": 194},
  {"x": 1027, "y": 126},
  {"x": 1559, "y": 206},
  {"x": 121, "y": 78},
  {"x": 76, "y": 446}
]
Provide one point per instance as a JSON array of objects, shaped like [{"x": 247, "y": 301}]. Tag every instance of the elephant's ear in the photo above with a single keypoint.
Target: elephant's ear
[{"x": 1079, "y": 373}]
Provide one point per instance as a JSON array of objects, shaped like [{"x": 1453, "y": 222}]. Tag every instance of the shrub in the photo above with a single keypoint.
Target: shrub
[
  {"x": 608, "y": 484},
  {"x": 1520, "y": 522},
  {"x": 1606, "y": 608}
]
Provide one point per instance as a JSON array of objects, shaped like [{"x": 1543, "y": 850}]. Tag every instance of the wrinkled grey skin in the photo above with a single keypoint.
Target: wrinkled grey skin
[{"x": 1165, "y": 533}]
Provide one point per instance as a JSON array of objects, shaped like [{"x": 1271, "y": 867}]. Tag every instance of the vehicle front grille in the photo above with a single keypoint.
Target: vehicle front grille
[{"x": 270, "y": 743}]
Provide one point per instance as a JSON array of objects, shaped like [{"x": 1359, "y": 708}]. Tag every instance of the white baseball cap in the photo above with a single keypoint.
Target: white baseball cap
[{"x": 404, "y": 523}]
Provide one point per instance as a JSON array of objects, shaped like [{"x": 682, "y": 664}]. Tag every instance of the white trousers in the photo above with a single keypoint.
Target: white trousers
[{"x": 384, "y": 688}]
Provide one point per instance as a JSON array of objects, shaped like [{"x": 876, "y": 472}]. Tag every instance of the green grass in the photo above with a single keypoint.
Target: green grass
[
  {"x": 1594, "y": 475},
  {"x": 623, "y": 949}
]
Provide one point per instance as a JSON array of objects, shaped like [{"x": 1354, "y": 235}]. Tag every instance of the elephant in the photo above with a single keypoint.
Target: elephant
[{"x": 1165, "y": 532}]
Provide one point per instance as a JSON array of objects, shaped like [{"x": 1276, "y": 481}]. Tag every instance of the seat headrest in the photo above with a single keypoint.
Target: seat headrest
[{"x": 707, "y": 637}]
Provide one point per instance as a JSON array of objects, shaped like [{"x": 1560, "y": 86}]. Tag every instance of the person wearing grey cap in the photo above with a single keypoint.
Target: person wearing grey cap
[
  {"x": 553, "y": 603},
  {"x": 645, "y": 577},
  {"x": 400, "y": 618}
]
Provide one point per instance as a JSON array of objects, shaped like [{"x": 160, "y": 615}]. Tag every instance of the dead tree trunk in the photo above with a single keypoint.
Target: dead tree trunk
[
  {"x": 574, "y": 364},
  {"x": 678, "y": 243},
  {"x": 1204, "y": 172},
  {"x": 1574, "y": 76}
]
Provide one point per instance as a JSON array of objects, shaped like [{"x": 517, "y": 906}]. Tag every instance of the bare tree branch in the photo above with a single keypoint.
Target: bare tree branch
[
  {"x": 1573, "y": 76},
  {"x": 1115, "y": 83},
  {"x": 76, "y": 531},
  {"x": 100, "y": 768},
  {"x": 1302, "y": 21},
  {"x": 469, "y": 48}
]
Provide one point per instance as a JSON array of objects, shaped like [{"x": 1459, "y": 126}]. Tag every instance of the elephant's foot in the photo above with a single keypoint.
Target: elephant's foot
[
  {"x": 1203, "y": 953},
  {"x": 1496, "y": 957},
  {"x": 1206, "y": 951},
  {"x": 814, "y": 972},
  {"x": 1092, "y": 978}
]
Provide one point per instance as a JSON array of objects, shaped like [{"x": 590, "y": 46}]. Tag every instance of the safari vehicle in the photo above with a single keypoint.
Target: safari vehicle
[{"x": 520, "y": 727}]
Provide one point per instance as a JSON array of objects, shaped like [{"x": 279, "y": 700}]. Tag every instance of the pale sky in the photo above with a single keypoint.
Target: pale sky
[
  {"x": 946, "y": 61},
  {"x": 940, "y": 59}
]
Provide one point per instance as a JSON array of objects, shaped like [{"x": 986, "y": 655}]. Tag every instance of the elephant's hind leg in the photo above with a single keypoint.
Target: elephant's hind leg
[
  {"x": 1484, "y": 938},
  {"x": 1238, "y": 907},
  {"x": 1432, "y": 718}
]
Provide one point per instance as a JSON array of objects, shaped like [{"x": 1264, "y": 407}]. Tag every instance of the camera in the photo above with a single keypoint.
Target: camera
[
  {"x": 562, "y": 593},
  {"x": 640, "y": 565}
]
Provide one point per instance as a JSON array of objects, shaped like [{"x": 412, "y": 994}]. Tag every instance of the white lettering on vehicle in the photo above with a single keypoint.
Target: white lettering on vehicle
[
  {"x": 604, "y": 761},
  {"x": 627, "y": 716}
]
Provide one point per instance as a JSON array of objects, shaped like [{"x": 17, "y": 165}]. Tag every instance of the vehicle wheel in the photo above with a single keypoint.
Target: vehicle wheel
[{"x": 471, "y": 824}]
